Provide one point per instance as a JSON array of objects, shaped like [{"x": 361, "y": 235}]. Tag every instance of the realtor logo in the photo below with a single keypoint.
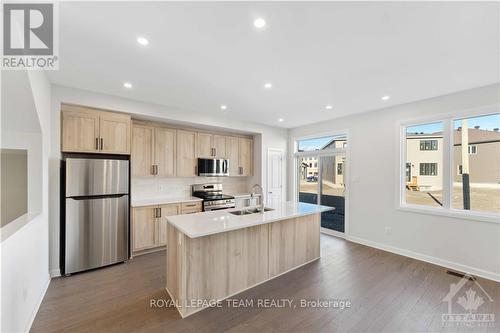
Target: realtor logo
[
  {"x": 29, "y": 32},
  {"x": 470, "y": 296}
]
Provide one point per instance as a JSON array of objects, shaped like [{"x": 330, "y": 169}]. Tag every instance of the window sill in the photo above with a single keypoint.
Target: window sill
[{"x": 454, "y": 213}]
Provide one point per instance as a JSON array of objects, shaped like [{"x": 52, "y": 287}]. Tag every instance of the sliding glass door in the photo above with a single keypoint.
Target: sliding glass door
[
  {"x": 321, "y": 178},
  {"x": 332, "y": 191}
]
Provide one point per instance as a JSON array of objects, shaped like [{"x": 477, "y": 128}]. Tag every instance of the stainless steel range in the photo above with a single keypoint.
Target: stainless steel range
[{"x": 213, "y": 198}]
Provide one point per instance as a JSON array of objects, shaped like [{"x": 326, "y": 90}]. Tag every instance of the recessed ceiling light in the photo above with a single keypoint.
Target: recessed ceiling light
[
  {"x": 127, "y": 85},
  {"x": 259, "y": 23},
  {"x": 143, "y": 41},
  {"x": 281, "y": 120},
  {"x": 328, "y": 107},
  {"x": 386, "y": 98},
  {"x": 223, "y": 107},
  {"x": 268, "y": 85}
]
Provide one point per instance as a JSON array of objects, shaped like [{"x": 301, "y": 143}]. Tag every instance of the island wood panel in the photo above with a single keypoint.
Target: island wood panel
[
  {"x": 176, "y": 259},
  {"x": 293, "y": 242},
  {"x": 142, "y": 150},
  {"x": 114, "y": 130},
  {"x": 214, "y": 267},
  {"x": 164, "y": 150}
]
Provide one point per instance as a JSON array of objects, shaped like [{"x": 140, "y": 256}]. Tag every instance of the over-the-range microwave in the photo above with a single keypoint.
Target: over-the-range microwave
[{"x": 213, "y": 167}]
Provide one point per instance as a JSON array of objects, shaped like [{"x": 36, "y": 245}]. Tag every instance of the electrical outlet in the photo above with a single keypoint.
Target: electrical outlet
[{"x": 388, "y": 230}]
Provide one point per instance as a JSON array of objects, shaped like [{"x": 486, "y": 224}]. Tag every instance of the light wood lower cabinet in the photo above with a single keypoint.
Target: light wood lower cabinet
[
  {"x": 149, "y": 224},
  {"x": 144, "y": 228}
]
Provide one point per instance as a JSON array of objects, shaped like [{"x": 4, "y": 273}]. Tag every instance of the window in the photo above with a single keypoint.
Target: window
[
  {"x": 423, "y": 182},
  {"x": 476, "y": 185},
  {"x": 340, "y": 167},
  {"x": 428, "y": 169},
  {"x": 474, "y": 146},
  {"x": 428, "y": 145},
  {"x": 322, "y": 143},
  {"x": 310, "y": 165}
]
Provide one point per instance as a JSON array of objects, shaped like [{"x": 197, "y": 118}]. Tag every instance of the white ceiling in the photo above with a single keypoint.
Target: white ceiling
[{"x": 202, "y": 55}]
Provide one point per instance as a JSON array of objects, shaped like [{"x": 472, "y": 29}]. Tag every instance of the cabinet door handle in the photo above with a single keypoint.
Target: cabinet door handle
[
  {"x": 215, "y": 151},
  {"x": 159, "y": 212},
  {"x": 152, "y": 169},
  {"x": 156, "y": 169},
  {"x": 196, "y": 170},
  {"x": 190, "y": 205},
  {"x": 102, "y": 143},
  {"x": 155, "y": 212},
  {"x": 96, "y": 143}
]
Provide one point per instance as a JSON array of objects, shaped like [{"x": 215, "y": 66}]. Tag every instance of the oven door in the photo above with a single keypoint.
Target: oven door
[{"x": 213, "y": 167}]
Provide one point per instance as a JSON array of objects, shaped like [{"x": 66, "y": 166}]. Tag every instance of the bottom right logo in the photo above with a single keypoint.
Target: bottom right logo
[{"x": 469, "y": 296}]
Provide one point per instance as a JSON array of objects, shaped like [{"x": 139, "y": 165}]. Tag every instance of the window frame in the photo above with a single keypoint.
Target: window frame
[
  {"x": 448, "y": 170},
  {"x": 431, "y": 166}
]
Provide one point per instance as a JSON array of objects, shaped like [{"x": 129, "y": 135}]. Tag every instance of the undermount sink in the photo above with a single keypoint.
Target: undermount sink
[
  {"x": 257, "y": 210},
  {"x": 240, "y": 212},
  {"x": 249, "y": 211}
]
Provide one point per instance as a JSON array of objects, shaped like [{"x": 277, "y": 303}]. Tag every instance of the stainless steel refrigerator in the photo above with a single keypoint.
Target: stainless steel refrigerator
[{"x": 96, "y": 213}]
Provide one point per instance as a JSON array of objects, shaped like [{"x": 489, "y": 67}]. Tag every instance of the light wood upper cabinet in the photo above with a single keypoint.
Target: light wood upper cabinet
[
  {"x": 114, "y": 132},
  {"x": 245, "y": 156},
  {"x": 204, "y": 147},
  {"x": 144, "y": 227},
  {"x": 164, "y": 143},
  {"x": 232, "y": 154},
  {"x": 142, "y": 157},
  {"x": 186, "y": 153},
  {"x": 219, "y": 145},
  {"x": 86, "y": 130},
  {"x": 80, "y": 131}
]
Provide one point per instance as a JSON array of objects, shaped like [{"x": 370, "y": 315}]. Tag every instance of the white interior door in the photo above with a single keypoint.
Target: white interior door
[{"x": 274, "y": 177}]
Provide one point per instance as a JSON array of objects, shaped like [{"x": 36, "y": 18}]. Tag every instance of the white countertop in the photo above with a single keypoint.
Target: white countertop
[
  {"x": 244, "y": 195},
  {"x": 214, "y": 222},
  {"x": 160, "y": 200}
]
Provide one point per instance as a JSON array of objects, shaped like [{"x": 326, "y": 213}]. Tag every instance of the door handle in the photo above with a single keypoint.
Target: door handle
[
  {"x": 152, "y": 169},
  {"x": 96, "y": 143},
  {"x": 156, "y": 169},
  {"x": 102, "y": 143},
  {"x": 196, "y": 170},
  {"x": 215, "y": 151}
]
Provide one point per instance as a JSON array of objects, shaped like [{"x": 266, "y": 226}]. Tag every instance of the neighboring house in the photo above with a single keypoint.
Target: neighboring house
[
  {"x": 484, "y": 156},
  {"x": 424, "y": 156},
  {"x": 310, "y": 165}
]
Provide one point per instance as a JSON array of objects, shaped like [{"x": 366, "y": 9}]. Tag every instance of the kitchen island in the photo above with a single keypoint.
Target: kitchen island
[{"x": 214, "y": 255}]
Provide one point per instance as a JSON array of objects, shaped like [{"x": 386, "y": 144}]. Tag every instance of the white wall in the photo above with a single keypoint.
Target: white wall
[
  {"x": 265, "y": 137},
  {"x": 24, "y": 254},
  {"x": 374, "y": 144}
]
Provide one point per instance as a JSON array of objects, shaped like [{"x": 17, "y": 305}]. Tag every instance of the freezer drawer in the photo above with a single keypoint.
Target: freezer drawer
[
  {"x": 89, "y": 177},
  {"x": 96, "y": 232}
]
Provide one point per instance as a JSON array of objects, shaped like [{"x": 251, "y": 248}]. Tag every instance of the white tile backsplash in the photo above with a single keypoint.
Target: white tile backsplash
[{"x": 181, "y": 187}]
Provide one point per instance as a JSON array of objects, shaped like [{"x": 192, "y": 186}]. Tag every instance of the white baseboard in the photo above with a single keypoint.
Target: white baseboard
[
  {"x": 40, "y": 299},
  {"x": 55, "y": 273},
  {"x": 433, "y": 260}
]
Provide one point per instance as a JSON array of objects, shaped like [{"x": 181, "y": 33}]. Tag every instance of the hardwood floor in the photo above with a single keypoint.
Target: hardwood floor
[{"x": 389, "y": 293}]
